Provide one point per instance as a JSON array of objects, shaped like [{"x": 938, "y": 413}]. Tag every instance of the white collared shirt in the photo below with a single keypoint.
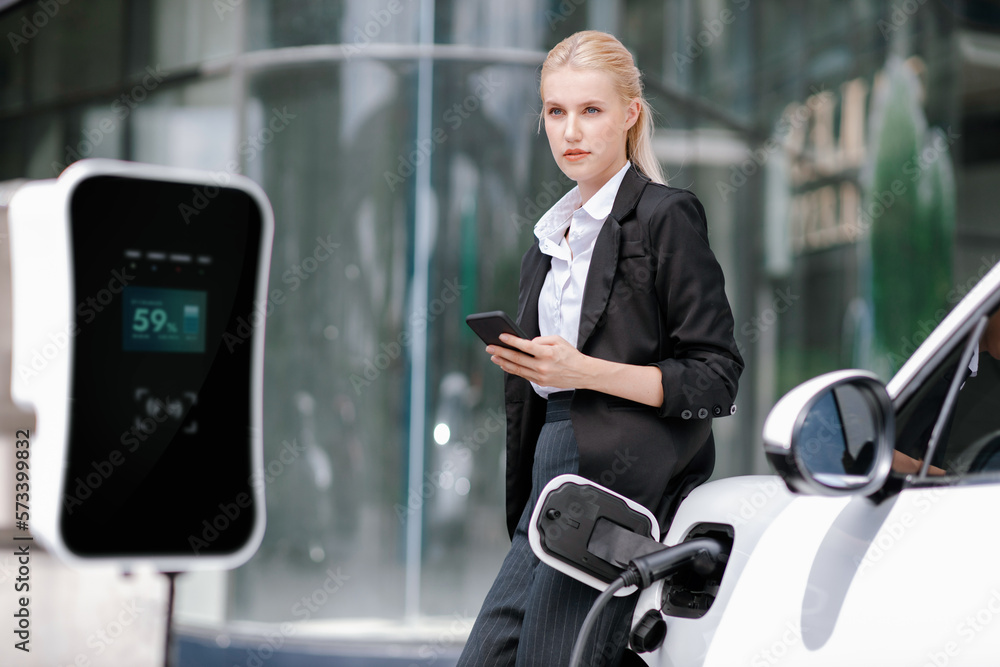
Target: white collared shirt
[{"x": 561, "y": 298}]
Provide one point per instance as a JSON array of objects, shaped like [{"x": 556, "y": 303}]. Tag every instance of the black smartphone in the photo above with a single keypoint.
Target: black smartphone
[{"x": 490, "y": 325}]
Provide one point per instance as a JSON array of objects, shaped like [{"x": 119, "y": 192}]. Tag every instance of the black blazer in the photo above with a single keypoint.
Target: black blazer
[{"x": 655, "y": 294}]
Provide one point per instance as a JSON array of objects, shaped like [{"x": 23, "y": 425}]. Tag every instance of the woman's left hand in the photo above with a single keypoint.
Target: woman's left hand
[{"x": 555, "y": 363}]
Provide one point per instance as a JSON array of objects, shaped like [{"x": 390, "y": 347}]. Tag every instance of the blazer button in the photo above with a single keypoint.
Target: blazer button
[
  {"x": 703, "y": 413},
  {"x": 732, "y": 409},
  {"x": 686, "y": 414},
  {"x": 717, "y": 411}
]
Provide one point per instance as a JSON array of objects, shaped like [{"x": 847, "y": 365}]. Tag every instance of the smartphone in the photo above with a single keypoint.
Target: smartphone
[{"x": 490, "y": 325}]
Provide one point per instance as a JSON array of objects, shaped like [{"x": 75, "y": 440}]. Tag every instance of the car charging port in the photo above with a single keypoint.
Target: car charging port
[{"x": 690, "y": 591}]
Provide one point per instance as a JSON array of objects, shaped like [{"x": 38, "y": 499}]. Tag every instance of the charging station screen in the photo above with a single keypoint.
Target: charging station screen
[
  {"x": 160, "y": 422},
  {"x": 163, "y": 320}
]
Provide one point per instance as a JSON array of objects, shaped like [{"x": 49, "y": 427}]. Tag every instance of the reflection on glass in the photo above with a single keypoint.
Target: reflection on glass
[{"x": 837, "y": 439}]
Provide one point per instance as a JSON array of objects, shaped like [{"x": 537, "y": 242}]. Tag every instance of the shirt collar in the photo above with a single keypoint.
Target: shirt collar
[
  {"x": 555, "y": 221},
  {"x": 599, "y": 206}
]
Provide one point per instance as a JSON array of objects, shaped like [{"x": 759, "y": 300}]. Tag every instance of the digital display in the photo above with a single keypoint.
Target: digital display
[{"x": 157, "y": 319}]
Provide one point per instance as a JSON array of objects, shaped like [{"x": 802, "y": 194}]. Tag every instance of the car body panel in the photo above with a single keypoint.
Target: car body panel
[
  {"x": 748, "y": 504},
  {"x": 835, "y": 579}
]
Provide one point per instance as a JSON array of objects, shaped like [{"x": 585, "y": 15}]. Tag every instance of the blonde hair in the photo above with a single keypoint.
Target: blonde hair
[{"x": 595, "y": 50}]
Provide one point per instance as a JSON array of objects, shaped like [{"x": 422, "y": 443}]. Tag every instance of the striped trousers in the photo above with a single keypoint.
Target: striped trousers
[{"x": 533, "y": 613}]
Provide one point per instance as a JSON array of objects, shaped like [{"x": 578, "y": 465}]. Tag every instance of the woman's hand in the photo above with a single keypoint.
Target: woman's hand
[
  {"x": 556, "y": 363},
  {"x": 910, "y": 466}
]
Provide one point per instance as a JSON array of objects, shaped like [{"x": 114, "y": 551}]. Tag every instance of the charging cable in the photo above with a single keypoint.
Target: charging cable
[{"x": 702, "y": 553}]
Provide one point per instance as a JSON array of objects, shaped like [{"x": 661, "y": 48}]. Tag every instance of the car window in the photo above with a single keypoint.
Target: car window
[
  {"x": 915, "y": 421},
  {"x": 970, "y": 433},
  {"x": 973, "y": 442}
]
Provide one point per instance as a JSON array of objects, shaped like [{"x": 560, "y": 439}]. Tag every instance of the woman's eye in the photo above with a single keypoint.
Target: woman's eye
[
  {"x": 593, "y": 110},
  {"x": 555, "y": 112}
]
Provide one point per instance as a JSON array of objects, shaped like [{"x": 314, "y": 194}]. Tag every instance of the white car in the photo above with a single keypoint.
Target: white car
[{"x": 876, "y": 544}]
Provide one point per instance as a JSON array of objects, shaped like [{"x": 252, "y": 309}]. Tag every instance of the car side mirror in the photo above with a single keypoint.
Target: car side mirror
[{"x": 833, "y": 435}]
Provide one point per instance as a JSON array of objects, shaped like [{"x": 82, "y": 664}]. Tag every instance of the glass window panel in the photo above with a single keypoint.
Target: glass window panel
[
  {"x": 189, "y": 32},
  {"x": 79, "y": 49},
  {"x": 336, "y": 375},
  {"x": 13, "y": 64},
  {"x": 188, "y": 125}
]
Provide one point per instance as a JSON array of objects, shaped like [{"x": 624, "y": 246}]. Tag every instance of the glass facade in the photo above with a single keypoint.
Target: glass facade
[{"x": 398, "y": 142}]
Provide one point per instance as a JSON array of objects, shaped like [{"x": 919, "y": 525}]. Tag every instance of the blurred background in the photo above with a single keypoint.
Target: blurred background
[{"x": 846, "y": 153}]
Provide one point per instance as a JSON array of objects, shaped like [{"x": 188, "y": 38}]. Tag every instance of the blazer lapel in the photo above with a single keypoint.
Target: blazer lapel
[
  {"x": 536, "y": 265},
  {"x": 604, "y": 261},
  {"x": 600, "y": 278}
]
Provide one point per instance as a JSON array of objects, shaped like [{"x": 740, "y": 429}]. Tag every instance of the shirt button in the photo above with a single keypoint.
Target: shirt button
[{"x": 703, "y": 413}]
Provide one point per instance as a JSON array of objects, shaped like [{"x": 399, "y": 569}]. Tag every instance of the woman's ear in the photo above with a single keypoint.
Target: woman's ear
[{"x": 632, "y": 113}]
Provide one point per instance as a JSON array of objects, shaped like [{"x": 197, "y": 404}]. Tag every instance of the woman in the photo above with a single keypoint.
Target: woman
[{"x": 632, "y": 354}]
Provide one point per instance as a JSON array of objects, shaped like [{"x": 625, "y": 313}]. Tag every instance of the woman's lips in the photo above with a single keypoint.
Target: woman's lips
[{"x": 575, "y": 155}]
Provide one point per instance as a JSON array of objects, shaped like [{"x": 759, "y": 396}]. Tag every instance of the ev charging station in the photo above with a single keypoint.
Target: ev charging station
[{"x": 127, "y": 284}]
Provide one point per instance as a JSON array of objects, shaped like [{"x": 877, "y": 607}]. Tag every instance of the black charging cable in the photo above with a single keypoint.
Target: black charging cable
[{"x": 703, "y": 553}]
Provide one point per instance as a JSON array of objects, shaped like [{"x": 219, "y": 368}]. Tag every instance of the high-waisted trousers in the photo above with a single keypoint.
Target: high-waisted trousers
[{"x": 533, "y": 613}]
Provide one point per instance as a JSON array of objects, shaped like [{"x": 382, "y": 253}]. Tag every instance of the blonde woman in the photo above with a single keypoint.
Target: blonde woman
[{"x": 631, "y": 356}]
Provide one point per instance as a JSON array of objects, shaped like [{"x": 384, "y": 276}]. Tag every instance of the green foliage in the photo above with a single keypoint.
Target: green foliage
[{"x": 910, "y": 203}]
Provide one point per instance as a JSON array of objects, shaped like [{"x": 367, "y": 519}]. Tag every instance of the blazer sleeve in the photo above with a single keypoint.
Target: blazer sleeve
[{"x": 701, "y": 376}]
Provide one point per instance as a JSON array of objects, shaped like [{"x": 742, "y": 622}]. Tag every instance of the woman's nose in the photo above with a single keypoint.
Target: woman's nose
[{"x": 572, "y": 128}]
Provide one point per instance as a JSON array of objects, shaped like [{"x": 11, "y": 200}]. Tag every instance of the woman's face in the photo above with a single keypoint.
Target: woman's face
[{"x": 586, "y": 123}]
